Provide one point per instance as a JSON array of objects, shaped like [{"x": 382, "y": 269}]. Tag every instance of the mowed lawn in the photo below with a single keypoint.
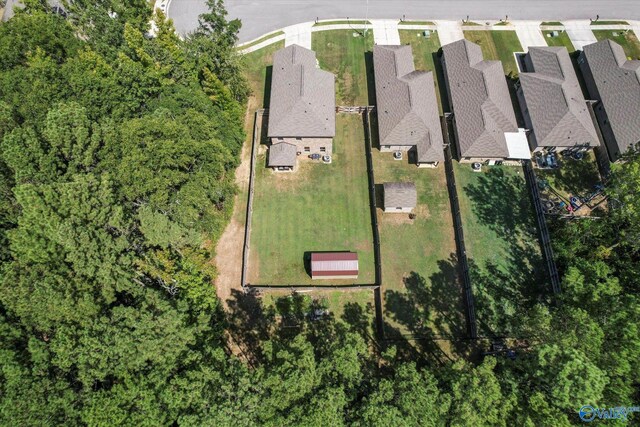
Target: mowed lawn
[
  {"x": 318, "y": 207},
  {"x": 497, "y": 45},
  {"x": 424, "y": 51},
  {"x": 562, "y": 39},
  {"x": 502, "y": 245},
  {"x": 627, "y": 39},
  {"x": 420, "y": 277},
  {"x": 342, "y": 52},
  {"x": 258, "y": 66}
]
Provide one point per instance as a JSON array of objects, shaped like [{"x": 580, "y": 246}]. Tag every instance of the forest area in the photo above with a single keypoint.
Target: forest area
[{"x": 117, "y": 159}]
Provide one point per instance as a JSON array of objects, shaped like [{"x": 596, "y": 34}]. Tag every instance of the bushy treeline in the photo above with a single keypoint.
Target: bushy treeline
[{"x": 116, "y": 175}]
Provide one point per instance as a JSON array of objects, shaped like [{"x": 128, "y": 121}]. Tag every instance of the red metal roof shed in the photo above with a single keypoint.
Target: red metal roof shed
[{"x": 334, "y": 265}]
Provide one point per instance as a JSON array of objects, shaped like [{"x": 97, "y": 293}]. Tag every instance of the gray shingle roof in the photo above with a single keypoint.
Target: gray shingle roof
[
  {"x": 302, "y": 96},
  {"x": 556, "y": 107},
  {"x": 282, "y": 154},
  {"x": 407, "y": 104},
  {"x": 617, "y": 83},
  {"x": 480, "y": 100},
  {"x": 400, "y": 195}
]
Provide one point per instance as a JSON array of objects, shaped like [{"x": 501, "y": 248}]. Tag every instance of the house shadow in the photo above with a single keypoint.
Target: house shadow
[
  {"x": 266, "y": 96},
  {"x": 371, "y": 84},
  {"x": 438, "y": 75},
  {"x": 379, "y": 191}
]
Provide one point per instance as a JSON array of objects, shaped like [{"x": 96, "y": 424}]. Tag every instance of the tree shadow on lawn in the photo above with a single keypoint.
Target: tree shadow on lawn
[
  {"x": 577, "y": 177},
  {"x": 433, "y": 308}
]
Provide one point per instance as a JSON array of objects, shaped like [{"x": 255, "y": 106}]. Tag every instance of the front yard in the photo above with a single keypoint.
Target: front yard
[
  {"x": 627, "y": 39},
  {"x": 346, "y": 53},
  {"x": 562, "y": 39},
  {"x": 502, "y": 245},
  {"x": 497, "y": 45},
  {"x": 319, "y": 207}
]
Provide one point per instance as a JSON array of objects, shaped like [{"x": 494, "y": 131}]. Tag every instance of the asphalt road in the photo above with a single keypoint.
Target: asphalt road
[{"x": 261, "y": 16}]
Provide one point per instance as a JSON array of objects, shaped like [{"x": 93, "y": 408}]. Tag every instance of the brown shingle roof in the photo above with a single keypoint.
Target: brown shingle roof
[
  {"x": 616, "y": 81},
  {"x": 480, "y": 100},
  {"x": 556, "y": 109},
  {"x": 407, "y": 105},
  {"x": 302, "y": 96},
  {"x": 282, "y": 154},
  {"x": 400, "y": 195}
]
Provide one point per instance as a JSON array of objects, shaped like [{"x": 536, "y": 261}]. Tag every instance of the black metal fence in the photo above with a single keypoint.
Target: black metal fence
[
  {"x": 543, "y": 230},
  {"x": 459, "y": 234}
]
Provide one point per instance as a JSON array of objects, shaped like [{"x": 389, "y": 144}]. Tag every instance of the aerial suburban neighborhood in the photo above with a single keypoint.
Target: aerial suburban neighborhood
[{"x": 221, "y": 212}]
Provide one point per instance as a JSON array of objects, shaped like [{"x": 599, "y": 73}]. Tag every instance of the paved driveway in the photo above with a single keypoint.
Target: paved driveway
[{"x": 262, "y": 16}]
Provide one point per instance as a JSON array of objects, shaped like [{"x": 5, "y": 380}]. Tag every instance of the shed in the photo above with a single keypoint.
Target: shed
[
  {"x": 399, "y": 197},
  {"x": 334, "y": 265}
]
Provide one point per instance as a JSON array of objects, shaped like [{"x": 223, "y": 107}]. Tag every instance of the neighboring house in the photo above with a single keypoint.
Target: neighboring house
[
  {"x": 302, "y": 110},
  {"x": 334, "y": 265},
  {"x": 282, "y": 157},
  {"x": 399, "y": 197},
  {"x": 614, "y": 82},
  {"x": 407, "y": 106},
  {"x": 485, "y": 125},
  {"x": 552, "y": 102}
]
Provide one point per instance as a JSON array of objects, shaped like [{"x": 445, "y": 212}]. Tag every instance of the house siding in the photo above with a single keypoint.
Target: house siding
[{"x": 315, "y": 144}]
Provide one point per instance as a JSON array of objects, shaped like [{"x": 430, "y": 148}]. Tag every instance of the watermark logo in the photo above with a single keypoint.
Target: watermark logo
[{"x": 588, "y": 413}]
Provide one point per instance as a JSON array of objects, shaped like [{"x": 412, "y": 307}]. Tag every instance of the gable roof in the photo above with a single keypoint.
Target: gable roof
[
  {"x": 555, "y": 104},
  {"x": 480, "y": 100},
  {"x": 617, "y": 82},
  {"x": 302, "y": 96},
  {"x": 282, "y": 154},
  {"x": 400, "y": 194},
  {"x": 406, "y": 103}
]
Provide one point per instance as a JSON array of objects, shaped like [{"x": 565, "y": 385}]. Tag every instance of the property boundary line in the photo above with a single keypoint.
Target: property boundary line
[
  {"x": 459, "y": 234},
  {"x": 257, "y": 127},
  {"x": 543, "y": 230}
]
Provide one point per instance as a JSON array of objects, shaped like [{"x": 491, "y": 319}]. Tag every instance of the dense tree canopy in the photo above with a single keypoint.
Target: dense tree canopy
[{"x": 117, "y": 152}]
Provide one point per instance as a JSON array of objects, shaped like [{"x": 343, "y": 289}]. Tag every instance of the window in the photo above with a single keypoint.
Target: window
[
  {"x": 280, "y": 139},
  {"x": 398, "y": 209},
  {"x": 323, "y": 149},
  {"x": 298, "y": 139},
  {"x": 307, "y": 149}
]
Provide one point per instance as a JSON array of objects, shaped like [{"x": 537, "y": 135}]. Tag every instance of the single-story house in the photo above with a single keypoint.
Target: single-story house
[
  {"x": 552, "y": 103},
  {"x": 282, "y": 157},
  {"x": 399, "y": 197},
  {"x": 485, "y": 126},
  {"x": 407, "y": 106},
  {"x": 302, "y": 109},
  {"x": 334, "y": 265},
  {"x": 614, "y": 82}
]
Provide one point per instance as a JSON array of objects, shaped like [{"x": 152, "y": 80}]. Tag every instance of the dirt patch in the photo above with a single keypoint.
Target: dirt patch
[{"x": 291, "y": 181}]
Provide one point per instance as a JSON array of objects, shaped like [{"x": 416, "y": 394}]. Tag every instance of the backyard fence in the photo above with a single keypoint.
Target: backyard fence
[
  {"x": 257, "y": 132},
  {"x": 459, "y": 234},
  {"x": 545, "y": 238},
  {"x": 307, "y": 287},
  {"x": 358, "y": 109},
  {"x": 374, "y": 223}
]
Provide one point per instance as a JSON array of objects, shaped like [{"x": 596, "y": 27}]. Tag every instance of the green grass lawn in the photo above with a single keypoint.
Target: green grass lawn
[
  {"x": 627, "y": 39},
  {"x": 341, "y": 22},
  {"x": 421, "y": 286},
  {"x": 424, "y": 49},
  {"x": 343, "y": 54},
  {"x": 552, "y": 23},
  {"x": 497, "y": 45},
  {"x": 609, "y": 23},
  {"x": 501, "y": 242},
  {"x": 425, "y": 23},
  {"x": 561, "y": 39},
  {"x": 257, "y": 66},
  {"x": 318, "y": 207}
]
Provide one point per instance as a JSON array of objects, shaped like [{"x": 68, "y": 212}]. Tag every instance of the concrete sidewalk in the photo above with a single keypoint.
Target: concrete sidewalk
[
  {"x": 299, "y": 34},
  {"x": 580, "y": 33},
  {"x": 529, "y": 34},
  {"x": 449, "y": 31},
  {"x": 385, "y": 31}
]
